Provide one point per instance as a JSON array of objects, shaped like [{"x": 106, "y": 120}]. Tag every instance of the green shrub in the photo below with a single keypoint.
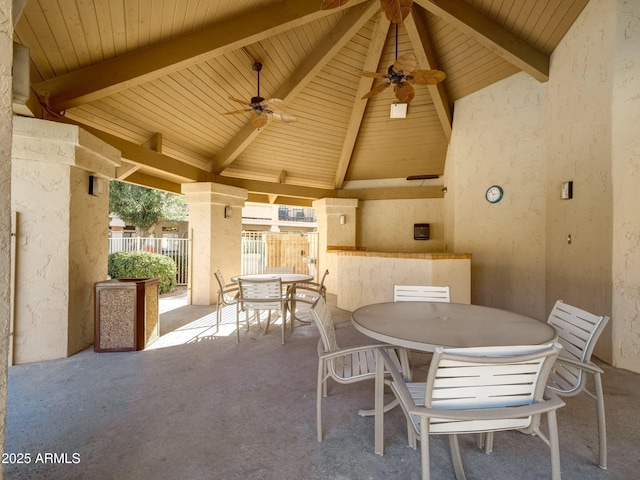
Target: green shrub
[{"x": 144, "y": 265}]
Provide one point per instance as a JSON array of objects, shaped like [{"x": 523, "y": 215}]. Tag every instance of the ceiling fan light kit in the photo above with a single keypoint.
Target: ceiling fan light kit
[{"x": 398, "y": 110}]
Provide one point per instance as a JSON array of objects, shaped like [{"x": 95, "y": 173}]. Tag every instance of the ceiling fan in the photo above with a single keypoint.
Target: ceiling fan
[
  {"x": 402, "y": 75},
  {"x": 395, "y": 10},
  {"x": 262, "y": 110}
]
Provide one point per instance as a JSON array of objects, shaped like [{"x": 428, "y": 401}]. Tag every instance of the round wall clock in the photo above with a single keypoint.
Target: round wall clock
[{"x": 494, "y": 194}]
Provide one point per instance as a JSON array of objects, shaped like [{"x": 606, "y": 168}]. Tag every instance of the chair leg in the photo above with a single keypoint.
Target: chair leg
[
  {"x": 237, "y": 324},
  {"x": 554, "y": 445},
  {"x": 321, "y": 390},
  {"x": 602, "y": 428},
  {"x": 424, "y": 451},
  {"x": 456, "y": 458}
]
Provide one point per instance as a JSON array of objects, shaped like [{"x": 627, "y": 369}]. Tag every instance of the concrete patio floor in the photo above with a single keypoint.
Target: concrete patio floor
[{"x": 196, "y": 405}]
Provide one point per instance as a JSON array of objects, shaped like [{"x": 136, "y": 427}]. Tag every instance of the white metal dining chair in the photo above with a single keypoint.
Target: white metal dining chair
[
  {"x": 421, "y": 293},
  {"x": 227, "y": 295},
  {"x": 260, "y": 295},
  {"x": 345, "y": 364},
  {"x": 578, "y": 332},
  {"x": 302, "y": 297},
  {"x": 475, "y": 390}
]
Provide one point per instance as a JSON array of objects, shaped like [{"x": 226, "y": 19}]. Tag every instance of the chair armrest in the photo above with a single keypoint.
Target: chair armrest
[
  {"x": 359, "y": 348},
  {"x": 551, "y": 402},
  {"x": 589, "y": 367}
]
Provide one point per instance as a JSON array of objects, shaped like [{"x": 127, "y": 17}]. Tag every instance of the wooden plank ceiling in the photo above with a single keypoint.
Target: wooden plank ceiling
[{"x": 153, "y": 78}]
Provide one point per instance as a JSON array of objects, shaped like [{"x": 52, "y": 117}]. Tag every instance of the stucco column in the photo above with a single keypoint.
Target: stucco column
[
  {"x": 336, "y": 228},
  {"x": 62, "y": 233},
  {"x": 215, "y": 229},
  {"x": 6, "y": 59}
]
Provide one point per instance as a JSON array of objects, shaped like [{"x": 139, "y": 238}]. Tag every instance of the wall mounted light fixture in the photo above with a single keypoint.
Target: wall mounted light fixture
[
  {"x": 228, "y": 211},
  {"x": 96, "y": 185},
  {"x": 343, "y": 219}
]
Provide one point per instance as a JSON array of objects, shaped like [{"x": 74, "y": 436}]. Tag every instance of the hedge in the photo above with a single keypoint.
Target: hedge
[{"x": 144, "y": 265}]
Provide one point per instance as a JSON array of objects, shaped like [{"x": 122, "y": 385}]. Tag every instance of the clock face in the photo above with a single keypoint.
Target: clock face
[{"x": 494, "y": 194}]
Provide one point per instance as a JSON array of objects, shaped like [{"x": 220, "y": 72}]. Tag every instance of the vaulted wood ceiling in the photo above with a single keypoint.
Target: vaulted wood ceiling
[{"x": 153, "y": 77}]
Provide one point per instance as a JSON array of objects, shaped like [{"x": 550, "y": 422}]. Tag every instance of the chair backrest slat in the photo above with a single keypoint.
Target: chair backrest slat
[
  {"x": 504, "y": 377},
  {"x": 260, "y": 294},
  {"x": 577, "y": 327},
  {"x": 421, "y": 293}
]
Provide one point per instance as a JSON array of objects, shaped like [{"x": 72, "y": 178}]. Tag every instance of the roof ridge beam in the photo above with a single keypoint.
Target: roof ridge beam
[{"x": 378, "y": 40}]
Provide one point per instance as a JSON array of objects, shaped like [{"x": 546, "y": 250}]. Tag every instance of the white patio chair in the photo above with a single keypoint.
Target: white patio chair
[
  {"x": 227, "y": 295},
  {"x": 260, "y": 295},
  {"x": 421, "y": 293},
  {"x": 475, "y": 390},
  {"x": 578, "y": 333},
  {"x": 305, "y": 295},
  {"x": 345, "y": 365}
]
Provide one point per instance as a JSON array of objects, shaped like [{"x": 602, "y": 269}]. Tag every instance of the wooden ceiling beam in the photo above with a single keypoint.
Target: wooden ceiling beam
[
  {"x": 492, "y": 35},
  {"x": 417, "y": 32},
  {"x": 339, "y": 36},
  {"x": 393, "y": 193},
  {"x": 126, "y": 71},
  {"x": 154, "y": 182},
  {"x": 378, "y": 39}
]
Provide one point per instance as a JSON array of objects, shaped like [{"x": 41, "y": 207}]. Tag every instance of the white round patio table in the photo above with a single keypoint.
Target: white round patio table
[{"x": 427, "y": 325}]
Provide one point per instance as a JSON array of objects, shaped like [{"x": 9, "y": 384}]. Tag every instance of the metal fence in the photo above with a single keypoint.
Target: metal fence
[
  {"x": 259, "y": 251},
  {"x": 175, "y": 248}
]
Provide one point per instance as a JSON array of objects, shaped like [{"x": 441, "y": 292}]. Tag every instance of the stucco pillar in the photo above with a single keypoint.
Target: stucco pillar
[
  {"x": 6, "y": 60},
  {"x": 215, "y": 229},
  {"x": 62, "y": 233},
  {"x": 336, "y": 228}
]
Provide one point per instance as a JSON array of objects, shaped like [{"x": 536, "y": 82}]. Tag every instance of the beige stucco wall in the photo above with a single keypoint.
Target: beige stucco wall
[
  {"x": 61, "y": 236},
  {"x": 332, "y": 234},
  {"x": 625, "y": 174},
  {"x": 580, "y": 150},
  {"x": 499, "y": 137},
  {"x": 367, "y": 278},
  {"x": 6, "y": 53},
  {"x": 387, "y": 225},
  {"x": 529, "y": 137}
]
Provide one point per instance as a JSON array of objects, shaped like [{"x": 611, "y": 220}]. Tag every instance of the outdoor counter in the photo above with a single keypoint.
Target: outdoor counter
[{"x": 368, "y": 277}]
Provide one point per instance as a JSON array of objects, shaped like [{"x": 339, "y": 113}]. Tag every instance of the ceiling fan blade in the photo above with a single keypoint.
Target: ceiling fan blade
[
  {"x": 242, "y": 102},
  {"x": 274, "y": 104},
  {"x": 259, "y": 120},
  {"x": 404, "y": 92},
  {"x": 235, "y": 112},
  {"x": 428, "y": 77},
  {"x": 406, "y": 62},
  {"x": 396, "y": 10},
  {"x": 329, "y": 4},
  {"x": 284, "y": 117},
  {"x": 372, "y": 74},
  {"x": 376, "y": 90}
]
